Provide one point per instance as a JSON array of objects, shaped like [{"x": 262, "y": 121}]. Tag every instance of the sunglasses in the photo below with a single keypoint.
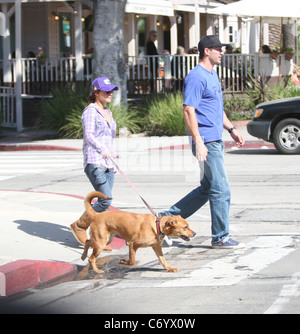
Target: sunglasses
[
  {"x": 107, "y": 93},
  {"x": 217, "y": 49}
]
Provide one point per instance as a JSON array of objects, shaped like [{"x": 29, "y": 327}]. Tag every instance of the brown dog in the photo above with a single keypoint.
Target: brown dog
[{"x": 139, "y": 230}]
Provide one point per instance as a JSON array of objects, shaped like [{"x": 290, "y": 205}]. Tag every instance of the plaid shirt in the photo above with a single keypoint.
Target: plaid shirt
[{"x": 98, "y": 135}]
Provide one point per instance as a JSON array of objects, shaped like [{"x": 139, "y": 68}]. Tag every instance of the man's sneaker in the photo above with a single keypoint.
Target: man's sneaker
[{"x": 227, "y": 243}]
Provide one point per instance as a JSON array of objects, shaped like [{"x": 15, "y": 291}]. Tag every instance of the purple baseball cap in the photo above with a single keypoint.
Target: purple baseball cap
[{"x": 104, "y": 84}]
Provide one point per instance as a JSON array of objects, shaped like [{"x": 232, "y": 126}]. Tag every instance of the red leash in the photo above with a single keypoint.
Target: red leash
[{"x": 132, "y": 186}]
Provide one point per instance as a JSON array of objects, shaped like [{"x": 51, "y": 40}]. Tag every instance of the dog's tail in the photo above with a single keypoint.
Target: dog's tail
[{"x": 88, "y": 200}]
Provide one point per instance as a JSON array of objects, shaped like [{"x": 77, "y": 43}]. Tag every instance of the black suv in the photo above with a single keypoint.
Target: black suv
[{"x": 278, "y": 122}]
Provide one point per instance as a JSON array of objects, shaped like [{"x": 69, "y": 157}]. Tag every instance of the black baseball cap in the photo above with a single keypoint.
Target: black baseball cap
[{"x": 209, "y": 41}]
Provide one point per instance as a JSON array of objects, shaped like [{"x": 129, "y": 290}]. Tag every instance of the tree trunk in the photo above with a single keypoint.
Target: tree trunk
[{"x": 108, "y": 57}]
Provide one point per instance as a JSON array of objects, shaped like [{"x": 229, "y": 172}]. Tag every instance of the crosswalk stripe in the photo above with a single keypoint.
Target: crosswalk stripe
[
  {"x": 287, "y": 292},
  {"x": 21, "y": 163},
  {"x": 238, "y": 265}
]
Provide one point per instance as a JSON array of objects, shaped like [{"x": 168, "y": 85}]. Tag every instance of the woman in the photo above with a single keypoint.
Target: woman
[
  {"x": 99, "y": 129},
  {"x": 151, "y": 49},
  {"x": 295, "y": 76}
]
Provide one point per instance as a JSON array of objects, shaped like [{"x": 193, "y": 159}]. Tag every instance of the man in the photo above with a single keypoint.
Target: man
[
  {"x": 151, "y": 50},
  {"x": 205, "y": 119}
]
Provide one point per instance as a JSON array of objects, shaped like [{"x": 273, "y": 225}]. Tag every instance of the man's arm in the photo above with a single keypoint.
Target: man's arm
[
  {"x": 192, "y": 126},
  {"x": 235, "y": 134}
]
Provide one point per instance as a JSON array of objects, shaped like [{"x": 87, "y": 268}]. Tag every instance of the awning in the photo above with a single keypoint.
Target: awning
[
  {"x": 150, "y": 7},
  {"x": 270, "y": 10}
]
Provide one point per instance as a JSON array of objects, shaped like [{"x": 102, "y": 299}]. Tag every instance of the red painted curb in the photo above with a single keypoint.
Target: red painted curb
[
  {"x": 20, "y": 275},
  {"x": 228, "y": 145},
  {"x": 24, "y": 147},
  {"x": 249, "y": 144}
]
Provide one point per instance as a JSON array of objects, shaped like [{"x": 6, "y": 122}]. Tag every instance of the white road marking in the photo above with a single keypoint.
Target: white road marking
[
  {"x": 287, "y": 292},
  {"x": 238, "y": 265},
  {"x": 14, "y": 164}
]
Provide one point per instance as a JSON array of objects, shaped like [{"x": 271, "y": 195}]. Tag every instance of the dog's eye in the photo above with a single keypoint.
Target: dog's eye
[{"x": 185, "y": 227}]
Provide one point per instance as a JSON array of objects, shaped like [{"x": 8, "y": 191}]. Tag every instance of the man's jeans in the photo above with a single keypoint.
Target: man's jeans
[
  {"x": 215, "y": 188},
  {"x": 102, "y": 180}
]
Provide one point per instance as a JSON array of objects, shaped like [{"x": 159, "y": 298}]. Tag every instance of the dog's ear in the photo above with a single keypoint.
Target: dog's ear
[{"x": 172, "y": 221}]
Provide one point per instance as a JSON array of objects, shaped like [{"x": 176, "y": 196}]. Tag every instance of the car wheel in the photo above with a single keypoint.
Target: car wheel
[{"x": 286, "y": 136}]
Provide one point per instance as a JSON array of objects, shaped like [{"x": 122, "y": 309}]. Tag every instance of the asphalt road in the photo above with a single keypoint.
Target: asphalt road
[{"x": 261, "y": 277}]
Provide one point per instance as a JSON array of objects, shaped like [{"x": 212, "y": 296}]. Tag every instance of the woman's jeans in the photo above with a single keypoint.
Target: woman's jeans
[
  {"x": 215, "y": 188},
  {"x": 102, "y": 180}
]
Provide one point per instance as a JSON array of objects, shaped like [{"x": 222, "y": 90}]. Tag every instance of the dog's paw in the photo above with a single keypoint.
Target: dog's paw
[
  {"x": 107, "y": 249},
  {"x": 127, "y": 262}
]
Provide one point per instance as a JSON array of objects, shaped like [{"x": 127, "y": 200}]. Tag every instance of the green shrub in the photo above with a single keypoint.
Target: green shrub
[
  {"x": 56, "y": 111},
  {"x": 238, "y": 107},
  {"x": 241, "y": 106},
  {"x": 165, "y": 115},
  {"x": 73, "y": 126},
  {"x": 126, "y": 118},
  {"x": 62, "y": 113},
  {"x": 285, "y": 90},
  {"x": 258, "y": 90}
]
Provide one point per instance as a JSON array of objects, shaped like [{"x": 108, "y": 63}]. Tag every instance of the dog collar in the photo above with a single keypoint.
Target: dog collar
[{"x": 159, "y": 232}]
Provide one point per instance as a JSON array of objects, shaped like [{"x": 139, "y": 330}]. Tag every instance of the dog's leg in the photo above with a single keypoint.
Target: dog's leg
[
  {"x": 158, "y": 251},
  {"x": 97, "y": 243},
  {"x": 92, "y": 260},
  {"x": 107, "y": 248},
  {"x": 132, "y": 251},
  {"x": 87, "y": 245}
]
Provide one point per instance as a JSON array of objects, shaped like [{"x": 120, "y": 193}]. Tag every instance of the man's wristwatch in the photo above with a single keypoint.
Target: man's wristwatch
[{"x": 231, "y": 129}]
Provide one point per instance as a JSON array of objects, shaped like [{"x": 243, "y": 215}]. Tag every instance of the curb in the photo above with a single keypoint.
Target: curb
[
  {"x": 228, "y": 145},
  {"x": 32, "y": 147},
  {"x": 20, "y": 275}
]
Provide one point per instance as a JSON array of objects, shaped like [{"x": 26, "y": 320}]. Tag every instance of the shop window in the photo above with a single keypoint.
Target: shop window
[
  {"x": 230, "y": 34},
  {"x": 141, "y": 32}
]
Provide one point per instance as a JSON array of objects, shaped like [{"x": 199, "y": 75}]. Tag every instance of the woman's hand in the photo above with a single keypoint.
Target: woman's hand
[{"x": 107, "y": 155}]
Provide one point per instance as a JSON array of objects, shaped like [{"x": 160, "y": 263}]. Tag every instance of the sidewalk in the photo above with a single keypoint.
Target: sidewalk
[
  {"x": 34, "y": 265},
  {"x": 37, "y": 245},
  {"x": 45, "y": 140}
]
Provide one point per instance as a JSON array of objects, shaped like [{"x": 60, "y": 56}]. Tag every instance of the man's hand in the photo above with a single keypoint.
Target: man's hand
[
  {"x": 237, "y": 137},
  {"x": 201, "y": 150}
]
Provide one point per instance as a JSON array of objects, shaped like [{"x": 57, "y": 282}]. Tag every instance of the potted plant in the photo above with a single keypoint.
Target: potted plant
[
  {"x": 275, "y": 52},
  {"x": 41, "y": 54},
  {"x": 288, "y": 53}
]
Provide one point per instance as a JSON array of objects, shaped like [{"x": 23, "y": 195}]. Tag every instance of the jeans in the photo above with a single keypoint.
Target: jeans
[
  {"x": 215, "y": 188},
  {"x": 102, "y": 180}
]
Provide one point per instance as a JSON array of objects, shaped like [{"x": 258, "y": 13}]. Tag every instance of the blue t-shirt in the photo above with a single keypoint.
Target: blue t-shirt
[{"x": 202, "y": 90}]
